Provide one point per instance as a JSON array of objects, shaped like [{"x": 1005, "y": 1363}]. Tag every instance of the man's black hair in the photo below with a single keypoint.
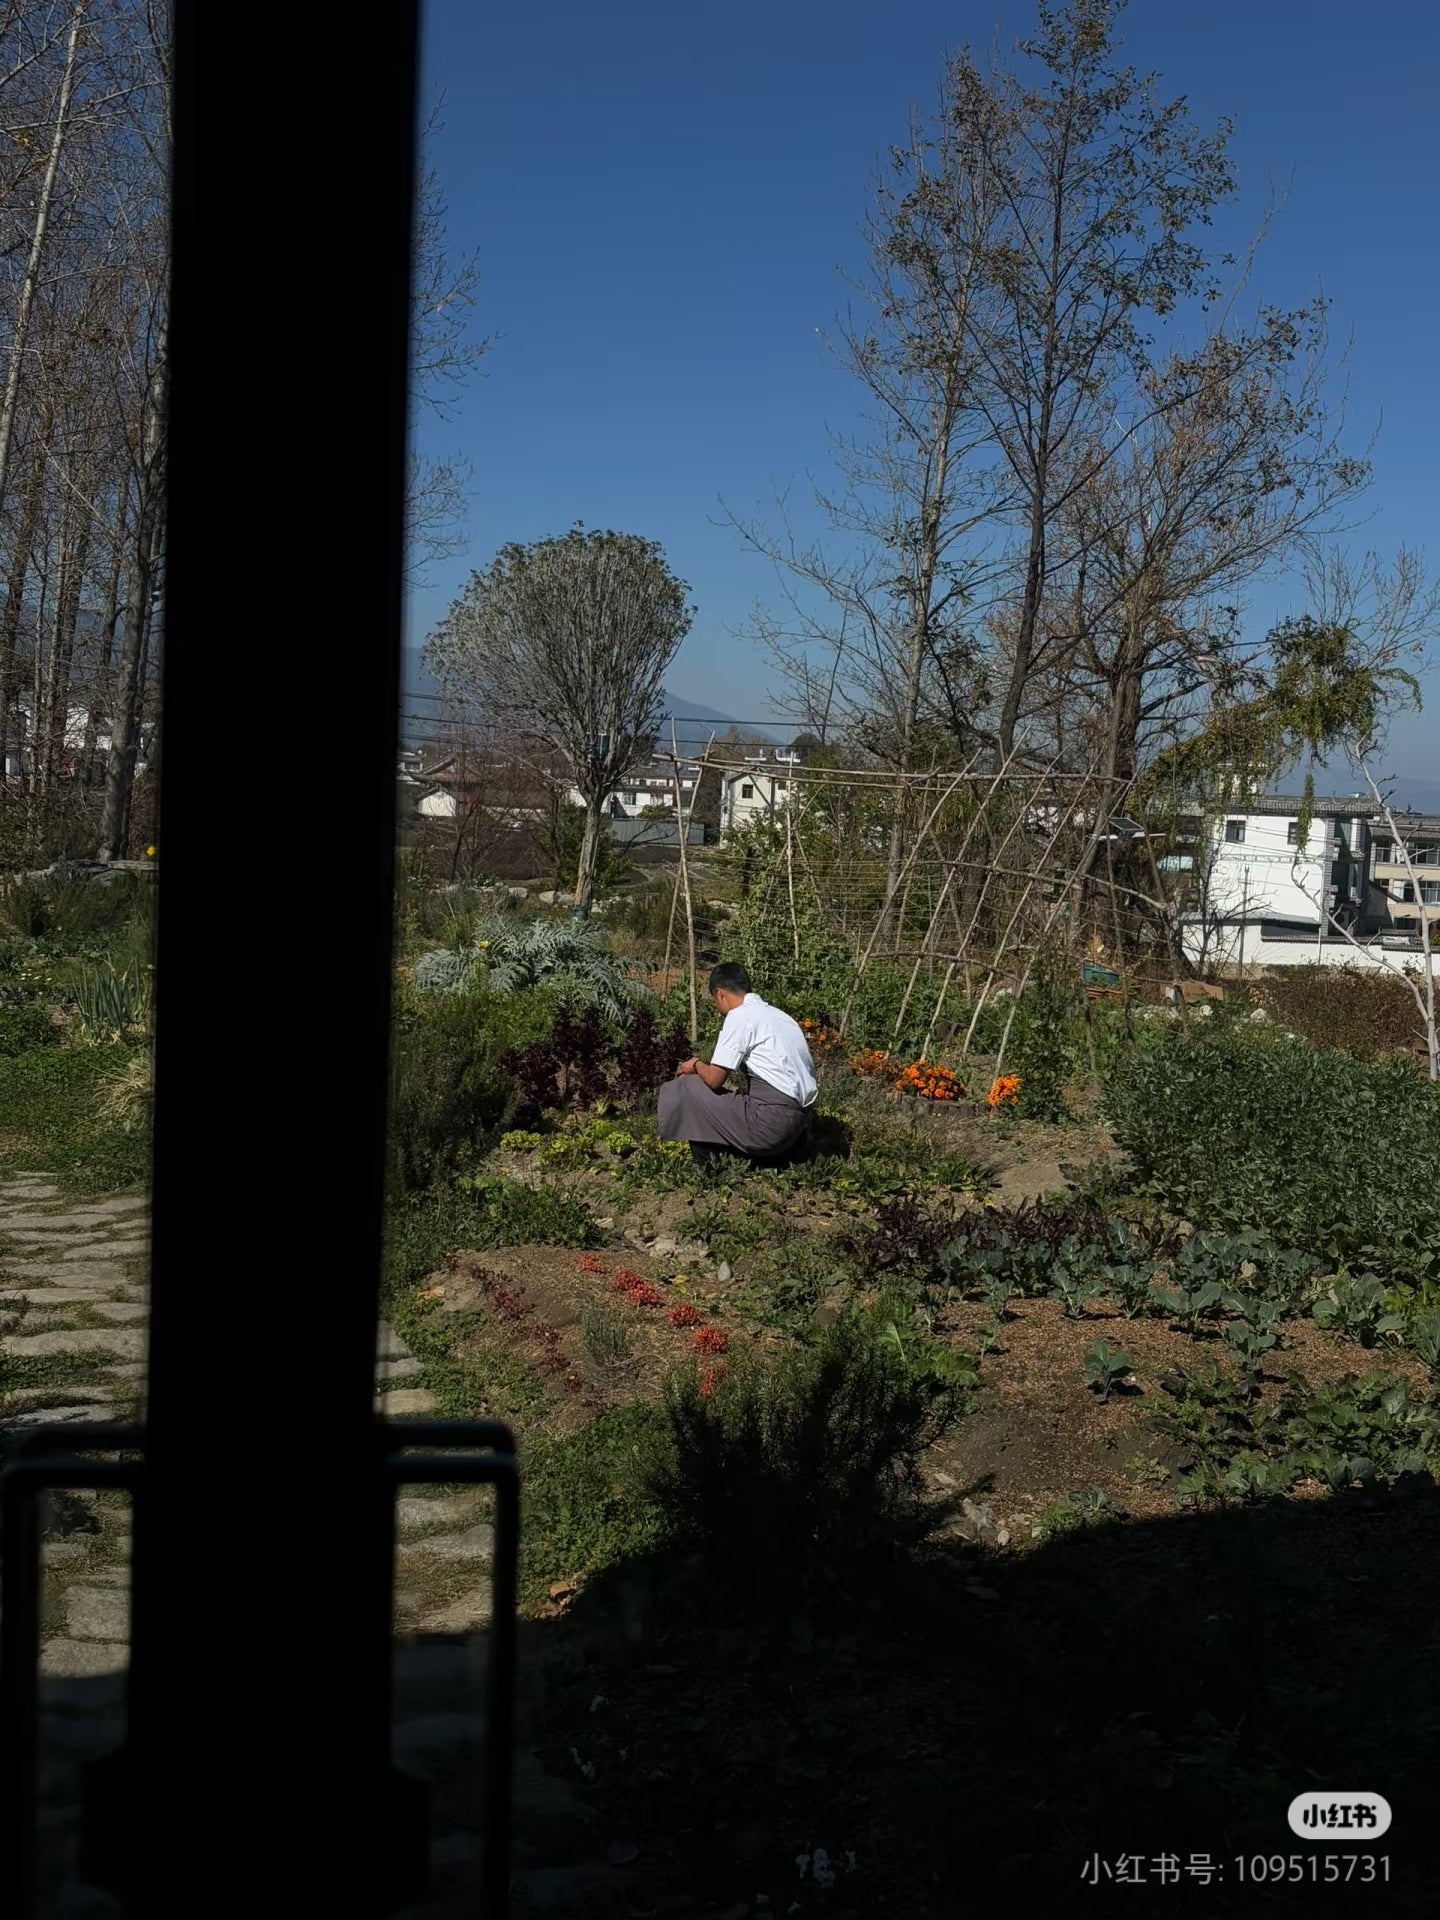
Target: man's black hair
[{"x": 730, "y": 977}]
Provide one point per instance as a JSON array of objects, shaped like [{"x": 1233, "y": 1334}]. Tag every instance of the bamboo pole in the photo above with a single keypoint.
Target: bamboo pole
[
  {"x": 891, "y": 891},
  {"x": 681, "y": 828}
]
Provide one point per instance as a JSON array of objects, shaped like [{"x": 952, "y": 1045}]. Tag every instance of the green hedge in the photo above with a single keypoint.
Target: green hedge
[{"x": 1338, "y": 1156}]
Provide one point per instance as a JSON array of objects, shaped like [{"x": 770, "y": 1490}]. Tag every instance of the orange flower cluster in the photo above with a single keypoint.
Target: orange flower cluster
[
  {"x": 709, "y": 1341},
  {"x": 1004, "y": 1093},
  {"x": 930, "y": 1082},
  {"x": 685, "y": 1315},
  {"x": 821, "y": 1039},
  {"x": 590, "y": 1263}
]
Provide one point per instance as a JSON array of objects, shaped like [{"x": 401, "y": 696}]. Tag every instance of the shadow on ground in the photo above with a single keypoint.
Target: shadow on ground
[
  {"x": 954, "y": 1736},
  {"x": 969, "y": 1732}
]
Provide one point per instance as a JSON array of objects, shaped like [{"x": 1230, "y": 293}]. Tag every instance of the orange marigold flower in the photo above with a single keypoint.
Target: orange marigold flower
[
  {"x": 710, "y": 1378},
  {"x": 1004, "y": 1093},
  {"x": 591, "y": 1263},
  {"x": 685, "y": 1315},
  {"x": 709, "y": 1341}
]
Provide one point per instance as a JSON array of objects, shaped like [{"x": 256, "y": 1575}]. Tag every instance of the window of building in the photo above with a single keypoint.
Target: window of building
[
  {"x": 1234, "y": 831},
  {"x": 1292, "y": 833},
  {"x": 1427, "y": 856},
  {"x": 747, "y": 792},
  {"x": 1384, "y": 853},
  {"x": 1430, "y": 892}
]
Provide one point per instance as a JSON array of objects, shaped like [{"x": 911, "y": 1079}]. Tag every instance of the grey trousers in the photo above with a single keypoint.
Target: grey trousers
[{"x": 761, "y": 1122}]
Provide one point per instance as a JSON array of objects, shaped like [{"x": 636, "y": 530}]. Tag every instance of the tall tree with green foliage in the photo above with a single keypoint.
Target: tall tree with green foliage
[{"x": 565, "y": 644}]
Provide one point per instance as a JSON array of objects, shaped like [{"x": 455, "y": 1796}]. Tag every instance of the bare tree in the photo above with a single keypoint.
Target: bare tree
[
  {"x": 444, "y": 355},
  {"x": 567, "y": 642},
  {"x": 1235, "y": 461},
  {"x": 39, "y": 236},
  {"x": 1021, "y": 244}
]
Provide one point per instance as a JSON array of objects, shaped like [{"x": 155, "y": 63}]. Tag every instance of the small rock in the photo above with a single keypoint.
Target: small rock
[
  {"x": 724, "y": 1273},
  {"x": 978, "y": 1524}
]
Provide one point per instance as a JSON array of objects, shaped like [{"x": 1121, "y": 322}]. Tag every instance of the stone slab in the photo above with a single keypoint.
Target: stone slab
[
  {"x": 476, "y": 1543},
  {"x": 467, "y": 1614},
  {"x": 42, "y": 1296},
  {"x": 403, "y": 1369},
  {"x": 414, "y": 1510},
  {"x": 411, "y": 1402},
  {"x": 98, "y": 1613},
  {"x": 60, "y": 1416},
  {"x": 125, "y": 1343}
]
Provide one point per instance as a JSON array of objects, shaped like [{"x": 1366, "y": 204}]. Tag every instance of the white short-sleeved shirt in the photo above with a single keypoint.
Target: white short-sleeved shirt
[{"x": 770, "y": 1044}]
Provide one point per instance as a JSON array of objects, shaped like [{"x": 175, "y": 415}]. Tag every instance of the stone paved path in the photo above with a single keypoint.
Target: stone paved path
[{"x": 72, "y": 1341}]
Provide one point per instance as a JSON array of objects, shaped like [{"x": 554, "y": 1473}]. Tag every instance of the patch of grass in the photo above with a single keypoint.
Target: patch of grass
[
  {"x": 470, "y": 1379},
  {"x": 1092, "y": 1508},
  {"x": 606, "y": 1340},
  {"x": 424, "y": 1229},
  {"x": 785, "y": 1282},
  {"x": 51, "y": 1100},
  {"x": 586, "y": 1501}
]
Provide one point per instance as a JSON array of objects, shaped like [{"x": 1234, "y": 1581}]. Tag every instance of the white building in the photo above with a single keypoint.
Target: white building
[
  {"x": 1265, "y": 899},
  {"x": 1407, "y": 875},
  {"x": 642, "y": 787},
  {"x": 755, "y": 791}
]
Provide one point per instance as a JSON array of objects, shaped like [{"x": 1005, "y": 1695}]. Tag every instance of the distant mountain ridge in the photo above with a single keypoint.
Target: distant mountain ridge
[{"x": 694, "y": 721}]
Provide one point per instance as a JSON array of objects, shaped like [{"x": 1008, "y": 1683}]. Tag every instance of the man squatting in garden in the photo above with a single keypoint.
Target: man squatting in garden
[{"x": 773, "y": 1114}]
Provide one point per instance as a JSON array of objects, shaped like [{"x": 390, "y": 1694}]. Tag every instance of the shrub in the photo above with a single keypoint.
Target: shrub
[
  {"x": 451, "y": 1098},
  {"x": 512, "y": 954},
  {"x": 907, "y": 1239},
  {"x": 1043, "y": 1042},
  {"x": 24, "y": 1030},
  {"x": 585, "y": 1501},
  {"x": 1341, "y": 1007},
  {"x": 1336, "y": 1156},
  {"x": 648, "y": 1056},
  {"x": 790, "y": 1475},
  {"x": 114, "y": 1003},
  {"x": 569, "y": 1067},
  {"x": 74, "y": 910}
]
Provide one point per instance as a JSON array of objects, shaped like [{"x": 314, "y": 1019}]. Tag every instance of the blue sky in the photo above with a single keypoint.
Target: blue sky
[{"x": 663, "y": 197}]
